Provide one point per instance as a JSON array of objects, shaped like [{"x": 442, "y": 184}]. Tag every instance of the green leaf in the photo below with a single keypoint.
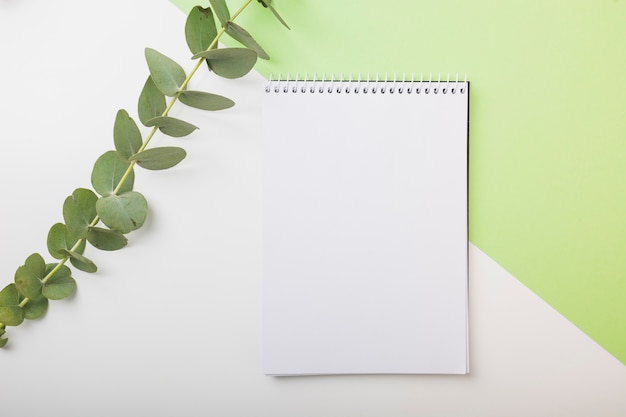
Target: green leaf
[
  {"x": 126, "y": 135},
  {"x": 268, "y": 4},
  {"x": 242, "y": 36},
  {"x": 35, "y": 308},
  {"x": 172, "y": 126},
  {"x": 229, "y": 62},
  {"x": 36, "y": 264},
  {"x": 151, "y": 102},
  {"x": 61, "y": 285},
  {"x": 11, "y": 314},
  {"x": 160, "y": 158},
  {"x": 80, "y": 261},
  {"x": 205, "y": 101},
  {"x": 3, "y": 342},
  {"x": 108, "y": 171},
  {"x": 280, "y": 19},
  {"x": 27, "y": 282},
  {"x": 79, "y": 210},
  {"x": 28, "y": 277},
  {"x": 125, "y": 212},
  {"x": 221, "y": 10},
  {"x": 59, "y": 239},
  {"x": 200, "y": 30},
  {"x": 167, "y": 75},
  {"x": 106, "y": 239}
]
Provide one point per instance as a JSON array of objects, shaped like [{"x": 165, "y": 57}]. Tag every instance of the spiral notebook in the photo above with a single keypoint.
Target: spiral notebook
[{"x": 365, "y": 227}]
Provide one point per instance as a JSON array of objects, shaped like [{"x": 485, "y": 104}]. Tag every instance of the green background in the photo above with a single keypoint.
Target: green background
[{"x": 547, "y": 124}]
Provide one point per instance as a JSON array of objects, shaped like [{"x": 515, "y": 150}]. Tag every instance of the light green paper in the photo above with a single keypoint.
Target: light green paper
[{"x": 547, "y": 130}]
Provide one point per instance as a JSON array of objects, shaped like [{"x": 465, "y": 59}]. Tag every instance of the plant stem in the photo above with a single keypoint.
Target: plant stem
[
  {"x": 145, "y": 143},
  {"x": 174, "y": 99}
]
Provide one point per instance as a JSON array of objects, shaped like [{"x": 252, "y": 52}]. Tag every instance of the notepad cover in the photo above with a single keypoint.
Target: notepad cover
[{"x": 365, "y": 265}]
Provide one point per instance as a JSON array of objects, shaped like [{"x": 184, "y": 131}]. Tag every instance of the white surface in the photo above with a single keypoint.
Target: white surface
[
  {"x": 364, "y": 231},
  {"x": 170, "y": 326}
]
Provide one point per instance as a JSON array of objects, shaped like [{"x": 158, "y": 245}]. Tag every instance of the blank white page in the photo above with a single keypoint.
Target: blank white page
[{"x": 365, "y": 228}]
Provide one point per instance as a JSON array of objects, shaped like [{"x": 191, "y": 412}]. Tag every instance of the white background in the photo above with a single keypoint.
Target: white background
[{"x": 170, "y": 326}]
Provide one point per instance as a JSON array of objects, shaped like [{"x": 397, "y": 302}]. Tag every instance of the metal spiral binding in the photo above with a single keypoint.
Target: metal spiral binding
[{"x": 366, "y": 85}]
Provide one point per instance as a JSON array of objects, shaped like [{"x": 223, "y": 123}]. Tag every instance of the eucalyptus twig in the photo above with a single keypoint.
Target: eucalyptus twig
[{"x": 114, "y": 202}]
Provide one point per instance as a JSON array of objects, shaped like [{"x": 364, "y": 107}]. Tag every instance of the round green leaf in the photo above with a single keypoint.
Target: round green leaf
[
  {"x": 125, "y": 212},
  {"x": 229, "y": 62},
  {"x": 56, "y": 240},
  {"x": 200, "y": 29},
  {"x": 79, "y": 210},
  {"x": 28, "y": 277},
  {"x": 59, "y": 239},
  {"x": 167, "y": 75},
  {"x": 36, "y": 264},
  {"x": 242, "y": 36},
  {"x": 79, "y": 261},
  {"x": 160, "y": 158},
  {"x": 126, "y": 135},
  {"x": 28, "y": 283},
  {"x": 172, "y": 126},
  {"x": 35, "y": 308},
  {"x": 61, "y": 285},
  {"x": 106, "y": 239},
  {"x": 107, "y": 173},
  {"x": 151, "y": 102},
  {"x": 11, "y": 314},
  {"x": 205, "y": 101}
]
